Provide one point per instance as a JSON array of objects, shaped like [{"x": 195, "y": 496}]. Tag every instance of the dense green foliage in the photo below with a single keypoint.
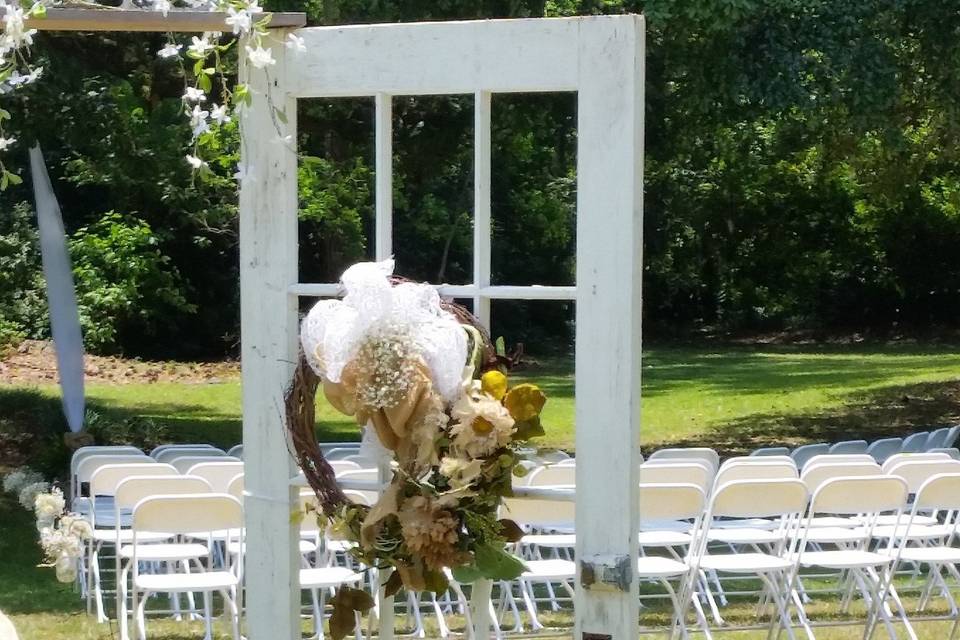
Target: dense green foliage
[{"x": 801, "y": 171}]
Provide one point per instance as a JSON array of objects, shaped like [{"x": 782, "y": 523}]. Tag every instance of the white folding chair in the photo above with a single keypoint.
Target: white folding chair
[
  {"x": 153, "y": 548},
  {"x": 696, "y": 472},
  {"x": 105, "y": 521},
  {"x": 781, "y": 500},
  {"x": 922, "y": 525},
  {"x": 838, "y": 458},
  {"x": 837, "y": 528},
  {"x": 884, "y": 448},
  {"x": 235, "y": 488},
  {"x": 866, "y": 498},
  {"x": 940, "y": 492},
  {"x": 177, "y": 515},
  {"x": 541, "y": 517},
  {"x": 90, "y": 462},
  {"x": 553, "y": 475},
  {"x": 339, "y": 466},
  {"x": 365, "y": 476},
  {"x": 236, "y": 451},
  {"x": 672, "y": 502},
  {"x": 752, "y": 459},
  {"x": 85, "y": 452},
  {"x": 218, "y": 474}
]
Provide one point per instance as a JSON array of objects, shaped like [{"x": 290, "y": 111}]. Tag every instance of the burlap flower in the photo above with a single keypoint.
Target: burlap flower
[{"x": 431, "y": 532}]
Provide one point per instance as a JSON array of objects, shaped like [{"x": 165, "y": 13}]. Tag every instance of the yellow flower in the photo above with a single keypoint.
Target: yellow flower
[
  {"x": 494, "y": 383},
  {"x": 524, "y": 401}
]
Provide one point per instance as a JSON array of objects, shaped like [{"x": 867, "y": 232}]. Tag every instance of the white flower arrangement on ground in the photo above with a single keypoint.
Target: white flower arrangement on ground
[{"x": 17, "y": 479}]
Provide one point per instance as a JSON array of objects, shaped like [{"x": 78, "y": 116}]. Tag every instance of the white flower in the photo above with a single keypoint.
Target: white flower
[
  {"x": 4, "y": 144},
  {"x": 198, "y": 120},
  {"x": 260, "y": 57},
  {"x": 34, "y": 75},
  {"x": 194, "y": 94},
  {"x": 170, "y": 50},
  {"x": 483, "y": 424},
  {"x": 239, "y": 20},
  {"x": 17, "y": 479},
  {"x": 195, "y": 162},
  {"x": 48, "y": 506},
  {"x": 295, "y": 43},
  {"x": 28, "y": 494},
  {"x": 200, "y": 46},
  {"x": 253, "y": 7},
  {"x": 163, "y": 6},
  {"x": 460, "y": 471},
  {"x": 219, "y": 114}
]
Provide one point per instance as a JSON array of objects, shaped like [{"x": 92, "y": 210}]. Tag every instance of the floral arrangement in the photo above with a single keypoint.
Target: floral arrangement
[
  {"x": 28, "y": 494},
  {"x": 417, "y": 379},
  {"x": 204, "y": 56},
  {"x": 63, "y": 544},
  {"x": 16, "y": 480}
]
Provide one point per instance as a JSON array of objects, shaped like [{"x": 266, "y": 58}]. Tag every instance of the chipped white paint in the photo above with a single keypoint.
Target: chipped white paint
[{"x": 601, "y": 58}]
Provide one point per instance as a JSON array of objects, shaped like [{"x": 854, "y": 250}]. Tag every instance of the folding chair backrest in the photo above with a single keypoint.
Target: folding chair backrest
[
  {"x": 770, "y": 451},
  {"x": 572, "y": 462},
  {"x": 236, "y": 451},
  {"x": 837, "y": 458},
  {"x": 916, "y": 442},
  {"x": 339, "y": 466},
  {"x": 553, "y": 476},
  {"x": 917, "y": 473},
  {"x": 365, "y": 476},
  {"x": 816, "y": 475},
  {"x": 883, "y": 449},
  {"x": 89, "y": 465},
  {"x": 938, "y": 438},
  {"x": 101, "y": 450},
  {"x": 849, "y": 446},
  {"x": 235, "y": 488},
  {"x": 132, "y": 490},
  {"x": 659, "y": 502},
  {"x": 900, "y": 458},
  {"x": 756, "y": 471},
  {"x": 358, "y": 497},
  {"x": 951, "y": 452},
  {"x": 165, "y": 447},
  {"x": 552, "y": 456},
  {"x": 339, "y": 453},
  {"x": 940, "y": 492},
  {"x": 680, "y": 473},
  {"x": 952, "y": 435},
  {"x": 183, "y": 464},
  {"x": 803, "y": 453},
  {"x": 171, "y": 454},
  {"x": 218, "y": 474},
  {"x": 365, "y": 462},
  {"x": 759, "y": 499},
  {"x": 860, "y": 495},
  {"x": 539, "y": 512},
  {"x": 752, "y": 459},
  {"x": 106, "y": 478},
  {"x": 188, "y": 513},
  {"x": 701, "y": 453}
]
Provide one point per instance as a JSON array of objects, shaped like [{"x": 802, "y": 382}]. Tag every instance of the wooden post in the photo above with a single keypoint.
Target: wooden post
[
  {"x": 609, "y": 244},
  {"x": 268, "y": 267},
  {"x": 481, "y": 205}
]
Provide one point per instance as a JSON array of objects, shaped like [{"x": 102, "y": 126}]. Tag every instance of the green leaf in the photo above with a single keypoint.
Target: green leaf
[
  {"x": 393, "y": 585},
  {"x": 14, "y": 178},
  {"x": 527, "y": 429},
  {"x": 204, "y": 82},
  {"x": 281, "y": 115},
  {"x": 435, "y": 581},
  {"x": 39, "y": 11},
  {"x": 467, "y": 574},
  {"x": 297, "y": 516},
  {"x": 495, "y": 563},
  {"x": 520, "y": 471},
  {"x": 501, "y": 346},
  {"x": 510, "y": 530}
]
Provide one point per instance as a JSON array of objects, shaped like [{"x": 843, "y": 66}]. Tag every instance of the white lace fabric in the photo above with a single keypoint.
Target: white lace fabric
[{"x": 333, "y": 330}]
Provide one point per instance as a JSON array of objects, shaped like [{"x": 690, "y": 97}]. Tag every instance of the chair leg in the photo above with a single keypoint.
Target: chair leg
[
  {"x": 530, "y": 604},
  {"x": 122, "y": 615},
  {"x": 233, "y": 611},
  {"x": 141, "y": 617},
  {"x": 97, "y": 590}
]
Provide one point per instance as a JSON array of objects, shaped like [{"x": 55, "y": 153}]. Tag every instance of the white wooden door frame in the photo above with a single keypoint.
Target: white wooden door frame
[{"x": 602, "y": 59}]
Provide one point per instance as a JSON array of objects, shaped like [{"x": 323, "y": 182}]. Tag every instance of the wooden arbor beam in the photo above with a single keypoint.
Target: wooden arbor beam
[{"x": 109, "y": 19}]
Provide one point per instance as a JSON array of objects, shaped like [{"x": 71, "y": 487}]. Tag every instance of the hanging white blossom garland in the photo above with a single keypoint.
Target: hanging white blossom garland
[{"x": 246, "y": 21}]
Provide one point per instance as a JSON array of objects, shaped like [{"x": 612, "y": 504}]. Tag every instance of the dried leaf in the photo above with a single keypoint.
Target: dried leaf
[
  {"x": 510, "y": 530},
  {"x": 393, "y": 585}
]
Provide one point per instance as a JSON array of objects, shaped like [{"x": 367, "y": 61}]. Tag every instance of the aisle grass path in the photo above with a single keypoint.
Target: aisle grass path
[{"x": 734, "y": 398}]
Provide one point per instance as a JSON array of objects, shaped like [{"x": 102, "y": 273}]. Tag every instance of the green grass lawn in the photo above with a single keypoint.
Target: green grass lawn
[{"x": 735, "y": 398}]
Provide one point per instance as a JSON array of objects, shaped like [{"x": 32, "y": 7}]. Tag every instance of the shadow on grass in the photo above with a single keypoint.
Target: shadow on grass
[{"x": 894, "y": 411}]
